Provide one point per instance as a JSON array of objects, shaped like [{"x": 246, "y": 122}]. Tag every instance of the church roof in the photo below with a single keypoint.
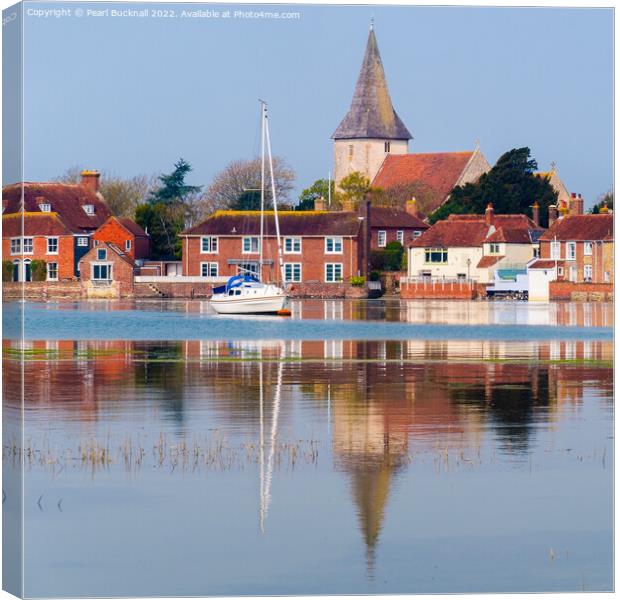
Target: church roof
[
  {"x": 371, "y": 114},
  {"x": 438, "y": 171}
]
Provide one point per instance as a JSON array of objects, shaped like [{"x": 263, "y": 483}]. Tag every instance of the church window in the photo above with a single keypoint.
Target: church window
[
  {"x": 386, "y": 147},
  {"x": 350, "y": 151}
]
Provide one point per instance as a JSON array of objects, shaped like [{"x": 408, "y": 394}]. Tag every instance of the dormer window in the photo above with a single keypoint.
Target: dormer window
[
  {"x": 89, "y": 209},
  {"x": 45, "y": 207}
]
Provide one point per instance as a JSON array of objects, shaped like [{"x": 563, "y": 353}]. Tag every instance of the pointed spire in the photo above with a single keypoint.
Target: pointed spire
[{"x": 371, "y": 114}]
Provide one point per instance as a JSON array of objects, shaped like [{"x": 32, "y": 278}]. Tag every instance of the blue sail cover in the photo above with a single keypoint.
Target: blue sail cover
[{"x": 233, "y": 282}]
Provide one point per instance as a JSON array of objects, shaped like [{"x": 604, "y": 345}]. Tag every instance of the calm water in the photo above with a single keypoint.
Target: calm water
[{"x": 192, "y": 465}]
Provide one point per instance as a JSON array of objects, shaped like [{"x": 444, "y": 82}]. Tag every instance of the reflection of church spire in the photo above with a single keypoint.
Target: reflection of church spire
[{"x": 371, "y": 490}]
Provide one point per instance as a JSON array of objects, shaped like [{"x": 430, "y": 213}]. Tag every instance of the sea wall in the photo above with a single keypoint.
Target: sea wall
[{"x": 566, "y": 290}]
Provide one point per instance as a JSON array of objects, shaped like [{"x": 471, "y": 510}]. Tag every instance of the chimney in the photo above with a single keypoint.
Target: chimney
[
  {"x": 536, "y": 213},
  {"x": 553, "y": 214},
  {"x": 90, "y": 180},
  {"x": 411, "y": 206},
  {"x": 578, "y": 202},
  {"x": 563, "y": 208},
  {"x": 489, "y": 214},
  {"x": 320, "y": 204}
]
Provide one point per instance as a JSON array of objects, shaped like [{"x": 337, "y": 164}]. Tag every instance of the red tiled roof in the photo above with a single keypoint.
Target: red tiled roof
[
  {"x": 132, "y": 227},
  {"x": 546, "y": 264},
  {"x": 509, "y": 221},
  {"x": 581, "y": 227},
  {"x": 439, "y": 171},
  {"x": 311, "y": 223},
  {"x": 65, "y": 199},
  {"x": 488, "y": 261},
  {"x": 385, "y": 216},
  {"x": 34, "y": 224},
  {"x": 510, "y": 236},
  {"x": 445, "y": 234}
]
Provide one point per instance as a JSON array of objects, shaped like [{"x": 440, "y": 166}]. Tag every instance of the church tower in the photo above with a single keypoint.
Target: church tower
[{"x": 371, "y": 129}]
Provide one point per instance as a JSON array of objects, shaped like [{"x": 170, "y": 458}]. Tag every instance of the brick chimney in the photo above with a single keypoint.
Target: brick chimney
[
  {"x": 489, "y": 214},
  {"x": 536, "y": 213},
  {"x": 411, "y": 206},
  {"x": 553, "y": 214},
  {"x": 90, "y": 180},
  {"x": 576, "y": 204},
  {"x": 320, "y": 204}
]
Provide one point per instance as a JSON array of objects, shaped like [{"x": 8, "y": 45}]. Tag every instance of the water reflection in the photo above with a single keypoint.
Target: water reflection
[{"x": 375, "y": 413}]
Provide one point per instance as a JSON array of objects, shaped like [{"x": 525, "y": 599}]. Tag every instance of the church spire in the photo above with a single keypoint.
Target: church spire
[{"x": 371, "y": 114}]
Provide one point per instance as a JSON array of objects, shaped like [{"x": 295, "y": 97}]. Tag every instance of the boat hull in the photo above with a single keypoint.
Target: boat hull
[{"x": 248, "y": 305}]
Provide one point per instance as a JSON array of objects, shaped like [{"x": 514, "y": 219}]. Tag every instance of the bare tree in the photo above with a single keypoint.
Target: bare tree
[{"x": 240, "y": 176}]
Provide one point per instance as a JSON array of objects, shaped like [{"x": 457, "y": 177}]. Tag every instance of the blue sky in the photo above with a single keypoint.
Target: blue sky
[{"x": 132, "y": 95}]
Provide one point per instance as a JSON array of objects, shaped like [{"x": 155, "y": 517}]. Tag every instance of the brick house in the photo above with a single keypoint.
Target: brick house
[
  {"x": 388, "y": 224},
  {"x": 317, "y": 246},
  {"x": 107, "y": 272},
  {"x": 125, "y": 234},
  {"x": 578, "y": 249},
  {"x": 75, "y": 210}
]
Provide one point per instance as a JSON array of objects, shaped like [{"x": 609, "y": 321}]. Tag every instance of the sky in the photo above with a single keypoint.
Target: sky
[{"x": 130, "y": 95}]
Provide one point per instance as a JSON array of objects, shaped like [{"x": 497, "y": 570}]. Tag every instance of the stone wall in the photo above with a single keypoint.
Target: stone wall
[
  {"x": 172, "y": 290},
  {"x": 327, "y": 290},
  {"x": 41, "y": 290},
  {"x": 566, "y": 290}
]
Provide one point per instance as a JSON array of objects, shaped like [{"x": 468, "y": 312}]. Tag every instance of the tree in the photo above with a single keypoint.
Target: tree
[
  {"x": 354, "y": 187},
  {"x": 398, "y": 195},
  {"x": 605, "y": 199},
  {"x": 511, "y": 186},
  {"x": 233, "y": 184},
  {"x": 319, "y": 189},
  {"x": 163, "y": 223},
  {"x": 168, "y": 210}
]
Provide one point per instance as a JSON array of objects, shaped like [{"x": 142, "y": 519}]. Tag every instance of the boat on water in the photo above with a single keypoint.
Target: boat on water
[{"x": 246, "y": 293}]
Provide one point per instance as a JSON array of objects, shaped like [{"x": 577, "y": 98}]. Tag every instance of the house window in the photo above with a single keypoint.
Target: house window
[
  {"x": 493, "y": 248},
  {"x": 333, "y": 245},
  {"x": 560, "y": 271},
  {"x": 587, "y": 248},
  {"x": 52, "y": 245},
  {"x": 208, "y": 269},
  {"x": 102, "y": 254},
  {"x": 436, "y": 255},
  {"x": 127, "y": 244},
  {"x": 16, "y": 245},
  {"x": 556, "y": 250},
  {"x": 572, "y": 274},
  {"x": 400, "y": 236},
  {"x": 89, "y": 209},
  {"x": 28, "y": 245},
  {"x": 386, "y": 147},
  {"x": 417, "y": 233},
  {"x": 82, "y": 241},
  {"x": 587, "y": 272},
  {"x": 45, "y": 207},
  {"x": 250, "y": 245},
  {"x": 536, "y": 252},
  {"x": 571, "y": 250},
  {"x": 52, "y": 271},
  {"x": 606, "y": 276},
  {"x": 292, "y": 245},
  {"x": 95, "y": 242},
  {"x": 292, "y": 271},
  {"x": 381, "y": 238},
  {"x": 102, "y": 272},
  {"x": 333, "y": 272},
  {"x": 208, "y": 245}
]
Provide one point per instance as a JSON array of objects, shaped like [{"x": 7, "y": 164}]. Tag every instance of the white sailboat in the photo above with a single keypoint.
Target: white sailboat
[{"x": 245, "y": 293}]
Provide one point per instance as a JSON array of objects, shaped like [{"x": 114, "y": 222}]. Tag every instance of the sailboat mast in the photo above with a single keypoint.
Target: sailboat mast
[
  {"x": 273, "y": 195},
  {"x": 263, "y": 118}
]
